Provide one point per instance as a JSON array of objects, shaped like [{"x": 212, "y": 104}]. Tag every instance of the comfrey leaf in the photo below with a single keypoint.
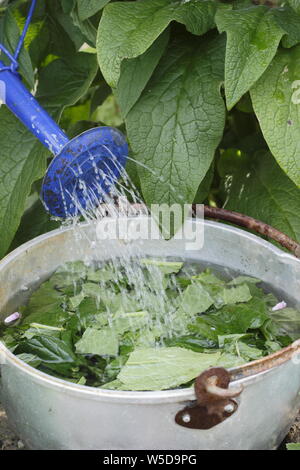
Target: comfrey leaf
[
  {"x": 163, "y": 368},
  {"x": 101, "y": 342},
  {"x": 76, "y": 300},
  {"x": 166, "y": 267},
  {"x": 228, "y": 360},
  {"x": 225, "y": 339},
  {"x": 115, "y": 385},
  {"x": 91, "y": 289},
  {"x": 287, "y": 321},
  {"x": 48, "y": 349},
  {"x": 122, "y": 322},
  {"x": 231, "y": 319},
  {"x": 243, "y": 280},
  {"x": 99, "y": 327},
  {"x": 37, "y": 329},
  {"x": 30, "y": 359},
  {"x": 104, "y": 274},
  {"x": 237, "y": 345},
  {"x": 293, "y": 446},
  {"x": 195, "y": 299},
  {"x": 237, "y": 294},
  {"x": 206, "y": 277}
]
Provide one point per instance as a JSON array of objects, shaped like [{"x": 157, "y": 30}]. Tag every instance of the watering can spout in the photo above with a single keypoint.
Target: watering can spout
[{"x": 84, "y": 169}]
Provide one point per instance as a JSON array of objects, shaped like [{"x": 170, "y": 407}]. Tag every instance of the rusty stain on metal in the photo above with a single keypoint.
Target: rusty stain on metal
[{"x": 214, "y": 400}]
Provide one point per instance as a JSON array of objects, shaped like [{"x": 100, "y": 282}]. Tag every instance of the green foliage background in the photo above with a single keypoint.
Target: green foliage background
[{"x": 207, "y": 92}]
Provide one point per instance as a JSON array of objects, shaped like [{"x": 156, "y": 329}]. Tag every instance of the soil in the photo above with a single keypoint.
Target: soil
[{"x": 9, "y": 441}]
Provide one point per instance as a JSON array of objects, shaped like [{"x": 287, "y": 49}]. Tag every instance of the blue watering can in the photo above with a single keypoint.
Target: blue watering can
[{"x": 85, "y": 168}]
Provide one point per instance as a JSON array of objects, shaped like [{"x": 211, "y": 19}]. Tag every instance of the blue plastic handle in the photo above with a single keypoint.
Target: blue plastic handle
[{"x": 25, "y": 107}]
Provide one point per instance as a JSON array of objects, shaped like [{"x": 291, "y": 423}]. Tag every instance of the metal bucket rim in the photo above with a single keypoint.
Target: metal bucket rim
[{"x": 25, "y": 246}]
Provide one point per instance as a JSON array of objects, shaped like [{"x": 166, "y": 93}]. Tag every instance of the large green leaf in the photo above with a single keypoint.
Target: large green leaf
[
  {"x": 22, "y": 161},
  {"x": 259, "y": 188},
  {"x": 290, "y": 24},
  {"x": 128, "y": 29},
  {"x": 195, "y": 299},
  {"x": 68, "y": 5},
  {"x": 295, "y": 4},
  {"x": 22, "y": 157},
  {"x": 163, "y": 368},
  {"x": 35, "y": 222},
  {"x": 252, "y": 40},
  {"x": 178, "y": 122},
  {"x": 135, "y": 73},
  {"x": 204, "y": 186},
  {"x": 53, "y": 352},
  {"x": 275, "y": 100},
  {"x": 86, "y": 28},
  {"x": 87, "y": 8},
  {"x": 67, "y": 28},
  {"x": 72, "y": 30},
  {"x": 288, "y": 322},
  {"x": 39, "y": 45},
  {"x": 9, "y": 36},
  {"x": 61, "y": 44},
  {"x": 100, "y": 342},
  {"x": 65, "y": 80}
]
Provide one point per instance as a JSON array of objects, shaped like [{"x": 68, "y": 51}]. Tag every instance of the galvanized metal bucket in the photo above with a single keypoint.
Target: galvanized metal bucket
[{"x": 49, "y": 413}]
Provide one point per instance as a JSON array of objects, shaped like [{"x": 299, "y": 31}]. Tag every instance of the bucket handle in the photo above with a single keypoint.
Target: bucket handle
[
  {"x": 242, "y": 220},
  {"x": 252, "y": 224}
]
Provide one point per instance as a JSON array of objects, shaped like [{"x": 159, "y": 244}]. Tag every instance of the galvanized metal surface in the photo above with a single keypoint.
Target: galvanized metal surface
[{"x": 49, "y": 413}]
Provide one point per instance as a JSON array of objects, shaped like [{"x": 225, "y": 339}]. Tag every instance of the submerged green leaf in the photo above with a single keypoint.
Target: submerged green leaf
[
  {"x": 101, "y": 342},
  {"x": 163, "y": 368},
  {"x": 105, "y": 327},
  {"x": 195, "y": 299},
  {"x": 293, "y": 446},
  {"x": 166, "y": 267},
  {"x": 287, "y": 321},
  {"x": 48, "y": 349},
  {"x": 234, "y": 295}
]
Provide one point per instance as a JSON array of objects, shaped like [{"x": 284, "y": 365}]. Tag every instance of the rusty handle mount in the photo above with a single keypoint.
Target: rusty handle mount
[{"x": 214, "y": 400}]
